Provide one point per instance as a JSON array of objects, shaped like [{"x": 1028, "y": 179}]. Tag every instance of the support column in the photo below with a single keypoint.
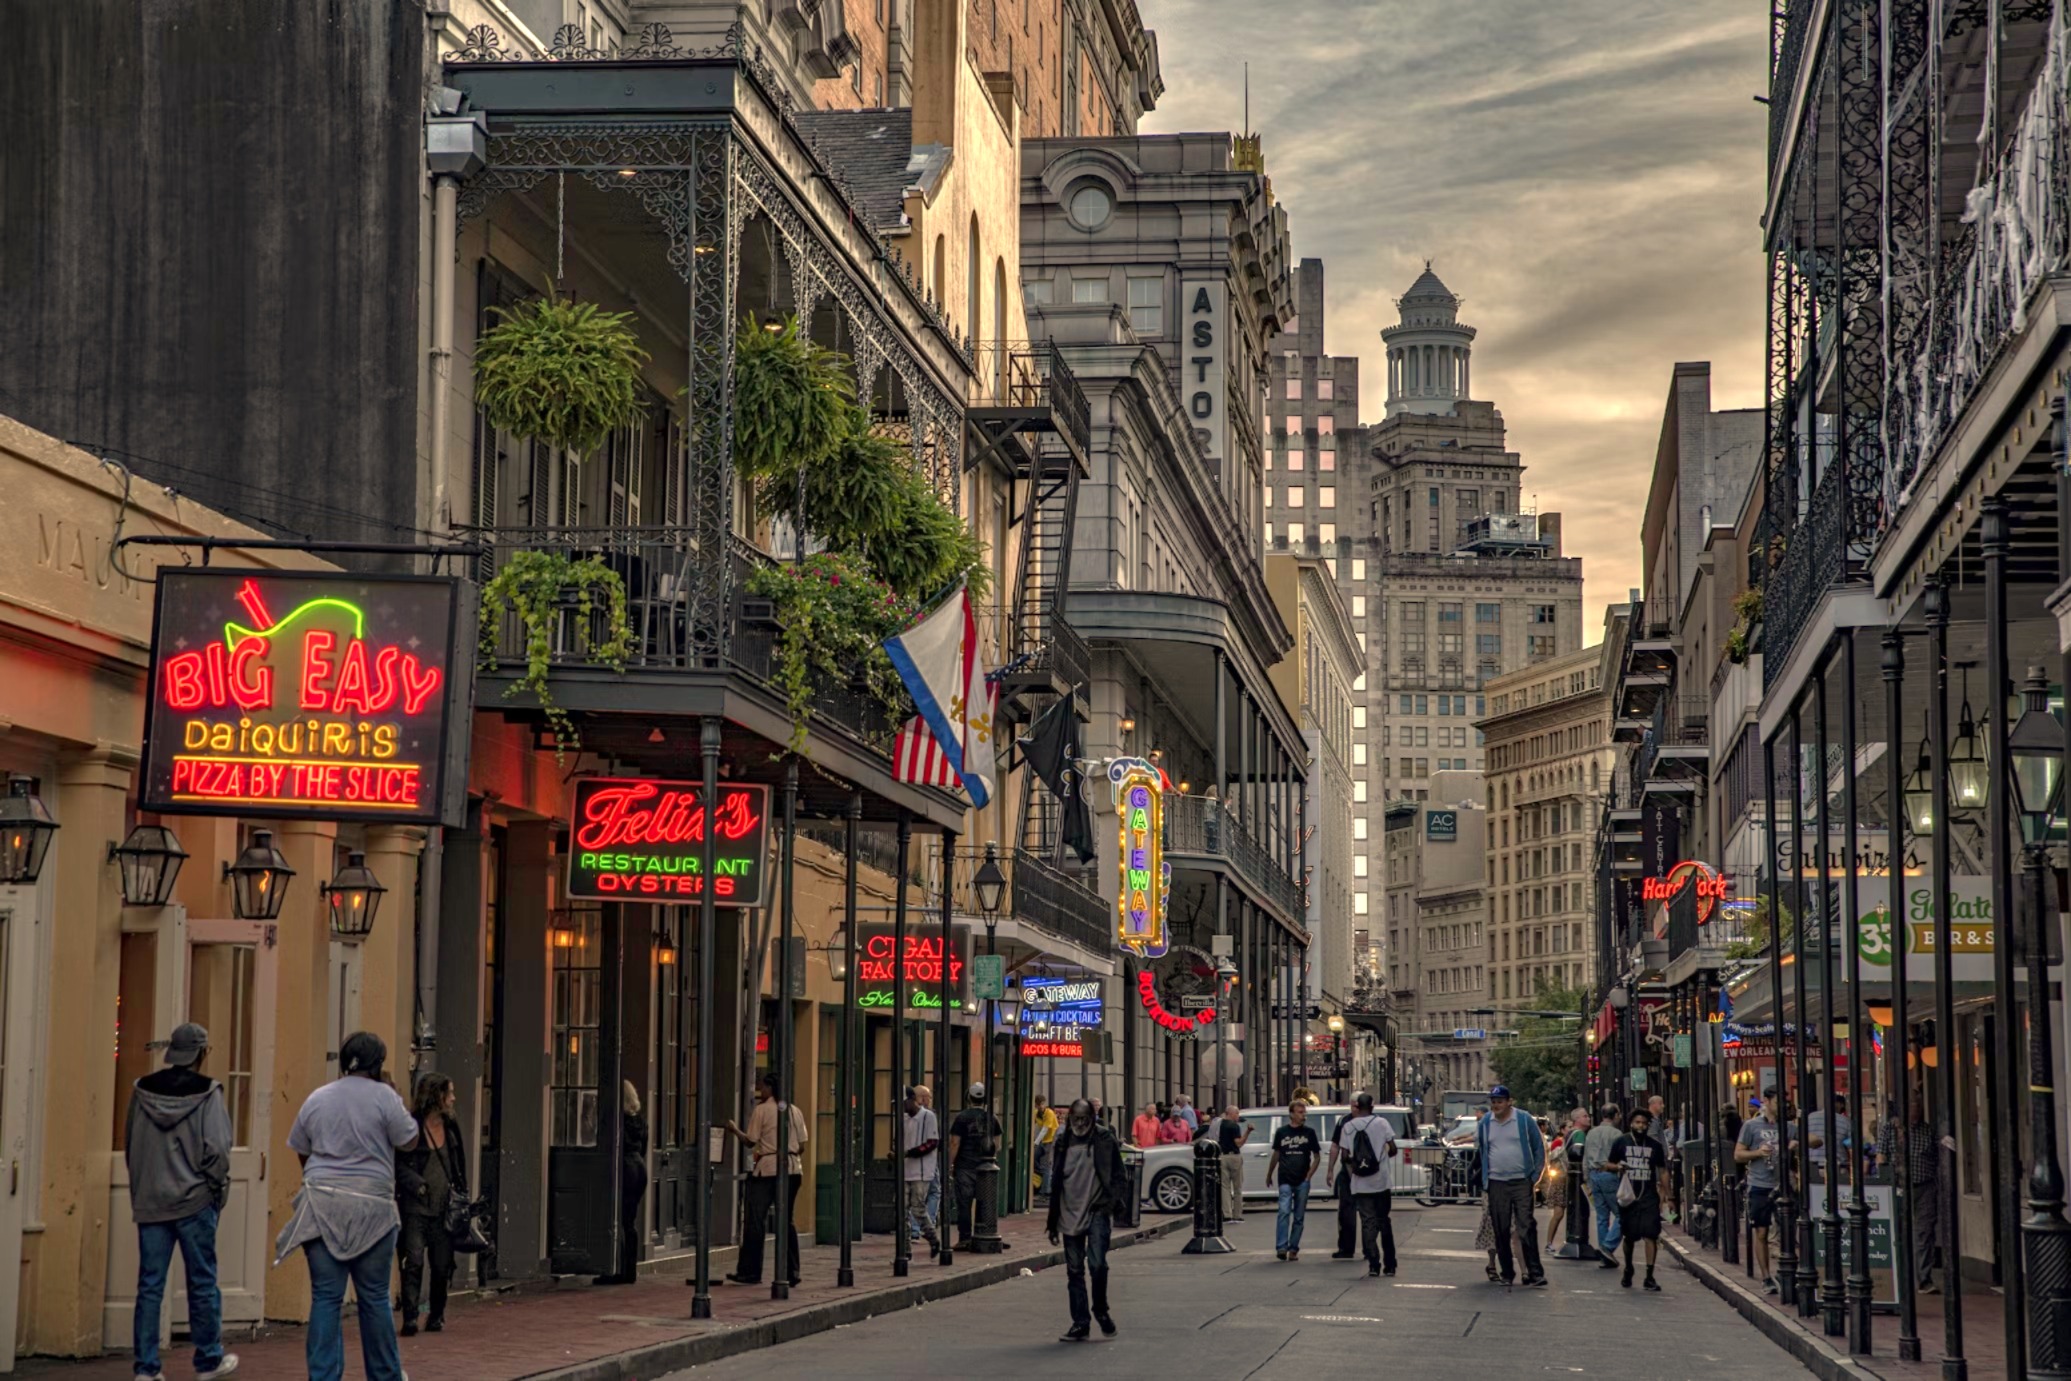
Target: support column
[
  {"x": 1832, "y": 1299},
  {"x": 1898, "y": 1077},
  {"x": 84, "y": 937},
  {"x": 524, "y": 1038},
  {"x": 463, "y": 925},
  {"x": 300, "y": 1029},
  {"x": 1807, "y": 1283},
  {"x": 1955, "y": 1367},
  {"x": 388, "y": 956},
  {"x": 1858, "y": 1284}
]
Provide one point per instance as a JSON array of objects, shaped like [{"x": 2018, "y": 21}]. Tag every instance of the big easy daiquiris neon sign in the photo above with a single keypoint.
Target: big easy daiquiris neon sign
[{"x": 322, "y": 695}]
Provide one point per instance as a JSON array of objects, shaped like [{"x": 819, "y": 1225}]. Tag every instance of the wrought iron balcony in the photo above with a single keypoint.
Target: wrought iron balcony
[
  {"x": 677, "y": 622},
  {"x": 1203, "y": 826},
  {"x": 1038, "y": 894},
  {"x": 1815, "y": 559}
]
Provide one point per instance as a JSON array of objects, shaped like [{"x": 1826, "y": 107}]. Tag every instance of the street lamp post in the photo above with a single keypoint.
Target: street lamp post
[
  {"x": 991, "y": 885},
  {"x": 1225, "y": 977},
  {"x": 2036, "y": 752}
]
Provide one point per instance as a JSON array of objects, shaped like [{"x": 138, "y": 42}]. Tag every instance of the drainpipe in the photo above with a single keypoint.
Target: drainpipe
[{"x": 456, "y": 146}]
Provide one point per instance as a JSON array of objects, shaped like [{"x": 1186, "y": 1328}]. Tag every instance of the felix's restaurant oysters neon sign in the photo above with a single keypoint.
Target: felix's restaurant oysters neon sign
[
  {"x": 637, "y": 839},
  {"x": 321, "y": 695}
]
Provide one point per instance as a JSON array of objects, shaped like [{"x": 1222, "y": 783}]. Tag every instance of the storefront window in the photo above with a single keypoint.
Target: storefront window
[{"x": 577, "y": 940}]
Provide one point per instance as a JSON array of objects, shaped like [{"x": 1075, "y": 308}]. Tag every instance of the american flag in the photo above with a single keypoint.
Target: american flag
[{"x": 918, "y": 759}]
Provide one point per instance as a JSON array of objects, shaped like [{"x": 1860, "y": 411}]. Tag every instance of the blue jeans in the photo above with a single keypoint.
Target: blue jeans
[
  {"x": 1603, "y": 1193},
  {"x": 195, "y": 1236},
  {"x": 934, "y": 1211},
  {"x": 1294, "y": 1212},
  {"x": 1084, "y": 1252},
  {"x": 368, "y": 1273}
]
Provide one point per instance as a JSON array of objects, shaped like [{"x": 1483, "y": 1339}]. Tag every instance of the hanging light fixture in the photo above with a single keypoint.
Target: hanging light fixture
[
  {"x": 259, "y": 879},
  {"x": 1880, "y": 1012},
  {"x": 354, "y": 896},
  {"x": 148, "y": 864},
  {"x": 26, "y": 826},
  {"x": 838, "y": 955},
  {"x": 664, "y": 954},
  {"x": 2036, "y": 750},
  {"x": 1919, "y": 796},
  {"x": 1968, "y": 778}
]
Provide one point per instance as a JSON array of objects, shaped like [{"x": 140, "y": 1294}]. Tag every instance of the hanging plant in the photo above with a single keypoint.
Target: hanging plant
[
  {"x": 537, "y": 587},
  {"x": 833, "y": 617},
  {"x": 792, "y": 399},
  {"x": 866, "y": 498},
  {"x": 559, "y": 371}
]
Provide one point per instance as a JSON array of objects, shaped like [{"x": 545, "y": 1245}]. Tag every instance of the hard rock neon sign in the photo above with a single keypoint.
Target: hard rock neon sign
[{"x": 1711, "y": 888}]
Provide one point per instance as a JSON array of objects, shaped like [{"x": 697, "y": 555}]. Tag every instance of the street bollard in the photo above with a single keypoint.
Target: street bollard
[
  {"x": 1575, "y": 1245},
  {"x": 1207, "y": 1239},
  {"x": 985, "y": 1230}
]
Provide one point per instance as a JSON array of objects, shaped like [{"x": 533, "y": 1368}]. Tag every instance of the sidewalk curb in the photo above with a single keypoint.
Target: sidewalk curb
[
  {"x": 1824, "y": 1361},
  {"x": 677, "y": 1353}
]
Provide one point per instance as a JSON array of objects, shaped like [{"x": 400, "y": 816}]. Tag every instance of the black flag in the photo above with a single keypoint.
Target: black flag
[{"x": 1052, "y": 749}]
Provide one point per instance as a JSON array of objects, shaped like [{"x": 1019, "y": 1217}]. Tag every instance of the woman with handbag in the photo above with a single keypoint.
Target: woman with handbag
[{"x": 431, "y": 1189}]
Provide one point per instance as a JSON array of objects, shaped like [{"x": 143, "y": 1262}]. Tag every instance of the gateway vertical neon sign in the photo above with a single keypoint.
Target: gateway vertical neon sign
[{"x": 1145, "y": 877}]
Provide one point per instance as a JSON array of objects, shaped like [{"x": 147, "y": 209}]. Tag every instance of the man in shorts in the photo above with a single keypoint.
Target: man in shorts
[{"x": 1758, "y": 1152}]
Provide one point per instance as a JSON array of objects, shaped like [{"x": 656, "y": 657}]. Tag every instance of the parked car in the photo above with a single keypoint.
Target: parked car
[{"x": 1168, "y": 1171}]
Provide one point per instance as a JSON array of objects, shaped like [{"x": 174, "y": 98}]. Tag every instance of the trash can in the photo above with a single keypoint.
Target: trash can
[{"x": 1132, "y": 1169}]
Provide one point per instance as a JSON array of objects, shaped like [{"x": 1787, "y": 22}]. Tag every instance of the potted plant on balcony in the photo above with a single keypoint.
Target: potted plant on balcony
[
  {"x": 567, "y": 374},
  {"x": 1747, "y": 623},
  {"x": 792, "y": 398},
  {"x": 833, "y": 617}
]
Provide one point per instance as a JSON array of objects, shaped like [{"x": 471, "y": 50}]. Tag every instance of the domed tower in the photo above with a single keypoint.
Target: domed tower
[{"x": 1428, "y": 350}]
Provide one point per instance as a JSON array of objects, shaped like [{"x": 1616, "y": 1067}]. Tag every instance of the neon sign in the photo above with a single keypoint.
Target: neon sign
[
  {"x": 1057, "y": 1012},
  {"x": 1180, "y": 1023},
  {"x": 635, "y": 839},
  {"x": 877, "y": 976},
  {"x": 1145, "y": 876},
  {"x": 1711, "y": 888},
  {"x": 319, "y": 695}
]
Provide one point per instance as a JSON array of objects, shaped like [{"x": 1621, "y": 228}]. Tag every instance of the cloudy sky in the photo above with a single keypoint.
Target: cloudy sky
[{"x": 1586, "y": 174}]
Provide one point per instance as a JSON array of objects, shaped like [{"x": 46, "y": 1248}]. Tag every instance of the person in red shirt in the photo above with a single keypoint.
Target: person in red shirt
[{"x": 1144, "y": 1130}]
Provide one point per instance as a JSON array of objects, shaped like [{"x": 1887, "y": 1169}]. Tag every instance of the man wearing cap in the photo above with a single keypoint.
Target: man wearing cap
[
  {"x": 177, "y": 1144},
  {"x": 1512, "y": 1156},
  {"x": 973, "y": 1135}
]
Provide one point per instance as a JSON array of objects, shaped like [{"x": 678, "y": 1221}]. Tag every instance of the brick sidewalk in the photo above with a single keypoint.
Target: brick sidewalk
[
  {"x": 1984, "y": 1335},
  {"x": 581, "y": 1332}
]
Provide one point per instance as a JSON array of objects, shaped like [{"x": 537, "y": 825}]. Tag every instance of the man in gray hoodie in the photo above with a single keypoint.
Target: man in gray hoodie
[{"x": 177, "y": 1144}]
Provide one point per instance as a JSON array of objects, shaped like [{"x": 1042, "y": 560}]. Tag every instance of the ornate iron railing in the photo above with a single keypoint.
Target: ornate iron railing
[
  {"x": 1815, "y": 559},
  {"x": 1037, "y": 892},
  {"x": 660, "y": 568},
  {"x": 1202, "y": 825},
  {"x": 1791, "y": 26}
]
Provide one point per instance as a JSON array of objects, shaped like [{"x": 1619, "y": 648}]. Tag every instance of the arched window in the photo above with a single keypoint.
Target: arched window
[
  {"x": 973, "y": 277},
  {"x": 940, "y": 287},
  {"x": 999, "y": 328}
]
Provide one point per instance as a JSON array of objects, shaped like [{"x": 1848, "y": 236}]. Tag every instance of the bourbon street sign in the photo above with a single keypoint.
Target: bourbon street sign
[
  {"x": 314, "y": 695},
  {"x": 635, "y": 839}
]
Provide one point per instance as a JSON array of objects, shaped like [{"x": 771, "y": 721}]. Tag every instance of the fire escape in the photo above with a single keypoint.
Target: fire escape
[{"x": 1037, "y": 426}]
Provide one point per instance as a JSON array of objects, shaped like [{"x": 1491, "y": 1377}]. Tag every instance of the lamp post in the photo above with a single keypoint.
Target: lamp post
[
  {"x": 2035, "y": 750},
  {"x": 1225, "y": 979},
  {"x": 990, "y": 884}
]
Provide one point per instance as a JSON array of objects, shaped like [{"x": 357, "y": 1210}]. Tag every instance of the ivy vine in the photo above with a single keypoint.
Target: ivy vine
[
  {"x": 537, "y": 587},
  {"x": 833, "y": 617}
]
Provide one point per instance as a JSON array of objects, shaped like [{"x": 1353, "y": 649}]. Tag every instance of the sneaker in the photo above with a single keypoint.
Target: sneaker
[
  {"x": 1930, "y": 1287},
  {"x": 1535, "y": 1282},
  {"x": 409, "y": 1330},
  {"x": 1077, "y": 1333},
  {"x": 149, "y": 1376},
  {"x": 1107, "y": 1324},
  {"x": 1280, "y": 1256},
  {"x": 435, "y": 1325},
  {"x": 1769, "y": 1285},
  {"x": 1387, "y": 1270},
  {"x": 222, "y": 1368},
  {"x": 1343, "y": 1256},
  {"x": 1607, "y": 1261},
  {"x": 1294, "y": 1254},
  {"x": 1648, "y": 1284},
  {"x": 1373, "y": 1272}
]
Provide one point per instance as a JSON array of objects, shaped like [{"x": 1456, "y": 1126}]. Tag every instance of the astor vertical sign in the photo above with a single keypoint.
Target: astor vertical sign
[
  {"x": 1204, "y": 356},
  {"x": 318, "y": 695},
  {"x": 633, "y": 839}
]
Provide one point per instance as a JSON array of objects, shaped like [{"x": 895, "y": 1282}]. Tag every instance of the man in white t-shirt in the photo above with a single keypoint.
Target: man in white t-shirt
[
  {"x": 919, "y": 1142},
  {"x": 1365, "y": 1141}
]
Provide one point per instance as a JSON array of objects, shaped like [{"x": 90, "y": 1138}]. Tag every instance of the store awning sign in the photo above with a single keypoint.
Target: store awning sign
[
  {"x": 643, "y": 839},
  {"x": 1972, "y": 933},
  {"x": 305, "y": 694}
]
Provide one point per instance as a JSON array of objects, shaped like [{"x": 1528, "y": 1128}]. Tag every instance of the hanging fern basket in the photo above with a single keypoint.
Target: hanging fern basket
[{"x": 559, "y": 371}]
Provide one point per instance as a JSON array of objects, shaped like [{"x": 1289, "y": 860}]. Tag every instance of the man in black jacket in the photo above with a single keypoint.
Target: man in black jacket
[{"x": 1089, "y": 1185}]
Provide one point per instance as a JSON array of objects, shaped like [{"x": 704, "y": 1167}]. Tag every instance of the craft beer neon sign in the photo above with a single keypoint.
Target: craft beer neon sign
[
  {"x": 319, "y": 695},
  {"x": 1057, "y": 1012},
  {"x": 636, "y": 839},
  {"x": 1140, "y": 810}
]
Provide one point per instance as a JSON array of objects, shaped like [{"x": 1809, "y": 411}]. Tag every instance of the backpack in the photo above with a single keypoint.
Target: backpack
[{"x": 1365, "y": 1160}]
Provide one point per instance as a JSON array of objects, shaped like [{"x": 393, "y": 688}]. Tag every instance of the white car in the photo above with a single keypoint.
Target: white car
[{"x": 1168, "y": 1171}]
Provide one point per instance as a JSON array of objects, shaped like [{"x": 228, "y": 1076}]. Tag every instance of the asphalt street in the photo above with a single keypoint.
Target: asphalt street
[{"x": 1247, "y": 1315}]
